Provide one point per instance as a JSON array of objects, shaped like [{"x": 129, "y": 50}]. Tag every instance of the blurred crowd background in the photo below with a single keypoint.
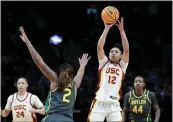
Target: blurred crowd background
[{"x": 148, "y": 26}]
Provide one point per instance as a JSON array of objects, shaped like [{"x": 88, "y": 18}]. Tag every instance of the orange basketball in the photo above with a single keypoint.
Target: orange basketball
[{"x": 110, "y": 15}]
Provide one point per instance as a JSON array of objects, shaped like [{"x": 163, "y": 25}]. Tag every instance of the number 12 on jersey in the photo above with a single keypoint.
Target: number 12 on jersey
[{"x": 112, "y": 79}]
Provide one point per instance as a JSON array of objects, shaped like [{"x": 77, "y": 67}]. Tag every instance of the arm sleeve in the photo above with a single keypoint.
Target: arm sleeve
[
  {"x": 102, "y": 62},
  {"x": 123, "y": 66},
  {"x": 36, "y": 102},
  {"x": 9, "y": 102}
]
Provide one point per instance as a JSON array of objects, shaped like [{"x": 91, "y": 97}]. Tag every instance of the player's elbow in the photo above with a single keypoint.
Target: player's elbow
[
  {"x": 100, "y": 52},
  {"x": 125, "y": 110},
  {"x": 77, "y": 81},
  {"x": 42, "y": 112},
  {"x": 4, "y": 114},
  {"x": 40, "y": 63},
  {"x": 100, "y": 46},
  {"x": 126, "y": 50},
  {"x": 77, "y": 85},
  {"x": 158, "y": 109}
]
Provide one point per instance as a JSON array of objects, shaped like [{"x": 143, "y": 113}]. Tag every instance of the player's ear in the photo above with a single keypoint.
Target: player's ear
[
  {"x": 134, "y": 84},
  {"x": 144, "y": 84},
  {"x": 121, "y": 56},
  {"x": 15, "y": 84}
]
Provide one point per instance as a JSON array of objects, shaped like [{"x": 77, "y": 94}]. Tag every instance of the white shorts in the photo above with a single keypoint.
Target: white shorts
[{"x": 99, "y": 111}]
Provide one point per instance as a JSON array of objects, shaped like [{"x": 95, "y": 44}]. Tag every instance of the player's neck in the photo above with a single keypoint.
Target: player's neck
[
  {"x": 139, "y": 91},
  {"x": 21, "y": 93},
  {"x": 114, "y": 63}
]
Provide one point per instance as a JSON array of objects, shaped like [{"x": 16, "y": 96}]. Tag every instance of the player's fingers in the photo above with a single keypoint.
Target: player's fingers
[
  {"x": 86, "y": 55},
  {"x": 122, "y": 19},
  {"x": 117, "y": 25},
  {"x": 113, "y": 23},
  {"x": 21, "y": 36},
  {"x": 89, "y": 58},
  {"x": 20, "y": 28},
  {"x": 21, "y": 31},
  {"x": 82, "y": 56},
  {"x": 118, "y": 21}
]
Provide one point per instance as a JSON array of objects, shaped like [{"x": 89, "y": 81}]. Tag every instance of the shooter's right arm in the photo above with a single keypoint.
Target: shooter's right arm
[{"x": 101, "y": 43}]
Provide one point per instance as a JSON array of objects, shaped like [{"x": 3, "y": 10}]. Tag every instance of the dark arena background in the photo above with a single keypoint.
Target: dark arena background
[{"x": 148, "y": 26}]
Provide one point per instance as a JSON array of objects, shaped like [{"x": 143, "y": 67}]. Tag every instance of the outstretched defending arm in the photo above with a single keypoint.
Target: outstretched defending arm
[
  {"x": 49, "y": 73},
  {"x": 83, "y": 62}
]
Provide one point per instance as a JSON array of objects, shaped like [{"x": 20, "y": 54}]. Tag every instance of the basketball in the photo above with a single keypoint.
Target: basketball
[{"x": 110, "y": 15}]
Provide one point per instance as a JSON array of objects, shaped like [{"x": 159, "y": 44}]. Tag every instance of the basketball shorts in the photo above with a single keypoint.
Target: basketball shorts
[
  {"x": 101, "y": 110},
  {"x": 57, "y": 118}
]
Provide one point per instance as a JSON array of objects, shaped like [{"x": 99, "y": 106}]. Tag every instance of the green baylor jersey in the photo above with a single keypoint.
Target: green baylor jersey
[
  {"x": 140, "y": 107},
  {"x": 61, "y": 102}
]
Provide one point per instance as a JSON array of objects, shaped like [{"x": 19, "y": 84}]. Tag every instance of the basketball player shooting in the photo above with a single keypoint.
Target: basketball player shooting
[{"x": 111, "y": 74}]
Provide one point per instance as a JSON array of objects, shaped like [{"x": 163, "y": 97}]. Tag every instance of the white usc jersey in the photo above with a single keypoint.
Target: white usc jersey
[
  {"x": 21, "y": 105},
  {"x": 20, "y": 109},
  {"x": 110, "y": 77}
]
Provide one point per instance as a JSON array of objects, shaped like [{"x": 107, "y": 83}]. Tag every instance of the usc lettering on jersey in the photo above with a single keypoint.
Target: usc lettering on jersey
[
  {"x": 20, "y": 109},
  {"x": 110, "y": 78}
]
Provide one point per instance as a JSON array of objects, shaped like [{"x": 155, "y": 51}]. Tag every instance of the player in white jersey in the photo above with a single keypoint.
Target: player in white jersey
[
  {"x": 111, "y": 74},
  {"x": 23, "y": 104}
]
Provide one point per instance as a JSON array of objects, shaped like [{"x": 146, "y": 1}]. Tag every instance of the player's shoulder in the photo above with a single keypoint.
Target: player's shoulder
[
  {"x": 151, "y": 94},
  {"x": 11, "y": 96},
  {"x": 128, "y": 94},
  {"x": 103, "y": 62},
  {"x": 33, "y": 96}
]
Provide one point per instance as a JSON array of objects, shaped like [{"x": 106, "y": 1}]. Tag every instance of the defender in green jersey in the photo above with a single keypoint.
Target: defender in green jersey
[
  {"x": 139, "y": 103},
  {"x": 63, "y": 86}
]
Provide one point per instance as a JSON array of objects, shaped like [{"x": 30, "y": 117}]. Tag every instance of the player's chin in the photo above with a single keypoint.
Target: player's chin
[
  {"x": 138, "y": 87},
  {"x": 114, "y": 60}
]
